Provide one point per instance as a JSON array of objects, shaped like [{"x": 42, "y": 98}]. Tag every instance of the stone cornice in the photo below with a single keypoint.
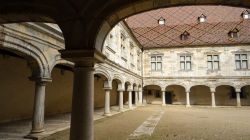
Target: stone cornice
[
  {"x": 122, "y": 68},
  {"x": 200, "y": 77}
]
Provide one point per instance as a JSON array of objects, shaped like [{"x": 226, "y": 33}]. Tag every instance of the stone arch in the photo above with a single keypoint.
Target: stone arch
[
  {"x": 175, "y": 94},
  {"x": 39, "y": 63},
  {"x": 133, "y": 8},
  {"x": 104, "y": 73},
  {"x": 224, "y": 84},
  {"x": 200, "y": 94},
  {"x": 64, "y": 63}
]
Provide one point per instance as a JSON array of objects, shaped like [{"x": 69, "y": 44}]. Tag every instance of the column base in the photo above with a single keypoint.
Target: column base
[
  {"x": 37, "y": 131},
  {"x": 107, "y": 114},
  {"x": 188, "y": 106},
  {"x": 121, "y": 110},
  {"x": 238, "y": 106},
  {"x": 163, "y": 105},
  {"x": 213, "y": 106}
]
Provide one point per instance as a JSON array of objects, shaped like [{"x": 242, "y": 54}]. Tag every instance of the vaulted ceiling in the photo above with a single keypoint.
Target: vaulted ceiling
[{"x": 219, "y": 21}]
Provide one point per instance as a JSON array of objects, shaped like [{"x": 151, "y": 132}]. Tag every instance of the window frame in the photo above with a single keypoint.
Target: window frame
[
  {"x": 213, "y": 61},
  {"x": 156, "y": 62},
  {"x": 185, "y": 62},
  {"x": 240, "y": 60}
]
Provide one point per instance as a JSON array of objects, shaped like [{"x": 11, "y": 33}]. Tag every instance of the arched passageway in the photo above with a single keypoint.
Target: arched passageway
[
  {"x": 225, "y": 95},
  {"x": 152, "y": 94},
  {"x": 175, "y": 94},
  {"x": 200, "y": 95},
  {"x": 245, "y": 95}
]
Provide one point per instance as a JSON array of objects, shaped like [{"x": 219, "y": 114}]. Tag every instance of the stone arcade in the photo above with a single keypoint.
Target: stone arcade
[{"x": 137, "y": 62}]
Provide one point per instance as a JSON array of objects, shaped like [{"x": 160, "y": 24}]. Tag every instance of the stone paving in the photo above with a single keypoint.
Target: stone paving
[{"x": 18, "y": 129}]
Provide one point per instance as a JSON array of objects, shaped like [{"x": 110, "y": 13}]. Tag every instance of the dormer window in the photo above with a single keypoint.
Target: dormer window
[{"x": 184, "y": 35}]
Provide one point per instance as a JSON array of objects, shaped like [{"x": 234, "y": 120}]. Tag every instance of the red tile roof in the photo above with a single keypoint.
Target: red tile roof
[{"x": 220, "y": 20}]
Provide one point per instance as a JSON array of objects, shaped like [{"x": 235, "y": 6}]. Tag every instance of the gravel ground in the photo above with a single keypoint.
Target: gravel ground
[{"x": 177, "y": 123}]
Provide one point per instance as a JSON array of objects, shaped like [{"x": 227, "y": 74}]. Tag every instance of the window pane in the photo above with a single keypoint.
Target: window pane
[
  {"x": 182, "y": 58},
  {"x": 188, "y": 65},
  {"x": 243, "y": 56},
  {"x": 244, "y": 64},
  {"x": 153, "y": 66},
  {"x": 237, "y": 57},
  {"x": 188, "y": 58},
  {"x": 159, "y": 58},
  {"x": 209, "y": 65},
  {"x": 159, "y": 66},
  {"x": 216, "y": 57},
  {"x": 216, "y": 65},
  {"x": 153, "y": 58},
  {"x": 182, "y": 66},
  {"x": 237, "y": 64},
  {"x": 209, "y": 57}
]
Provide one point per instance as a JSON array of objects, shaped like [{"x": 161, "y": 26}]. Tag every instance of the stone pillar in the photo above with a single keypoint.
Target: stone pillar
[
  {"x": 107, "y": 102},
  {"x": 213, "y": 99},
  {"x": 81, "y": 127},
  {"x": 163, "y": 99},
  {"x": 130, "y": 99},
  {"x": 136, "y": 98},
  {"x": 121, "y": 101},
  {"x": 187, "y": 100},
  {"x": 238, "y": 98},
  {"x": 140, "y": 97},
  {"x": 38, "y": 111}
]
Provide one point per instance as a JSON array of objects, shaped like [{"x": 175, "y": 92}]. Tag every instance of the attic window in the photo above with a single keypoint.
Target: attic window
[
  {"x": 202, "y": 18},
  {"x": 245, "y": 14},
  {"x": 184, "y": 35},
  {"x": 233, "y": 33}
]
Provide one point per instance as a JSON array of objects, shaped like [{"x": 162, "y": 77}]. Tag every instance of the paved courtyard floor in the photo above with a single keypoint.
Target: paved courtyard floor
[{"x": 173, "y": 123}]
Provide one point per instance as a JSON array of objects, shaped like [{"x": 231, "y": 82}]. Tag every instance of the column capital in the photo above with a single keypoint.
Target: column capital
[
  {"x": 237, "y": 90},
  {"x": 41, "y": 79},
  {"x": 121, "y": 90},
  {"x": 212, "y": 89},
  {"x": 83, "y": 58}
]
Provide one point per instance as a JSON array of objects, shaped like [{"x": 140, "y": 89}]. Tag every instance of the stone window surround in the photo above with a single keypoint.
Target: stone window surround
[
  {"x": 185, "y": 54},
  {"x": 156, "y": 55},
  {"x": 241, "y": 52},
  {"x": 213, "y": 62}
]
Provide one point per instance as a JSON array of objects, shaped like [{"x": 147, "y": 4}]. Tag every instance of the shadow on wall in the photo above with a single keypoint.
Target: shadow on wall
[{"x": 17, "y": 91}]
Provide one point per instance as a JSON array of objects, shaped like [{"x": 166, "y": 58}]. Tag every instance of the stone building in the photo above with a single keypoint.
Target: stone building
[{"x": 188, "y": 55}]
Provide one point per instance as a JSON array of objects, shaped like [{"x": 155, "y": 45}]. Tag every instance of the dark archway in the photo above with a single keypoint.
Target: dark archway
[
  {"x": 200, "y": 95},
  {"x": 225, "y": 95},
  {"x": 245, "y": 95},
  {"x": 178, "y": 94},
  {"x": 152, "y": 94}
]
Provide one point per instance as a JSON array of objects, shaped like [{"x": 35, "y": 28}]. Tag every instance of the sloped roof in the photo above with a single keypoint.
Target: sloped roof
[{"x": 220, "y": 20}]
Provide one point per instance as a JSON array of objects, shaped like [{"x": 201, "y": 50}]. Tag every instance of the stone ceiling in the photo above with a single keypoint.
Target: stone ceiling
[{"x": 220, "y": 20}]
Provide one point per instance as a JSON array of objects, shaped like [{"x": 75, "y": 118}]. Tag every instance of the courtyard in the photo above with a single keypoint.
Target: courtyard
[{"x": 154, "y": 122}]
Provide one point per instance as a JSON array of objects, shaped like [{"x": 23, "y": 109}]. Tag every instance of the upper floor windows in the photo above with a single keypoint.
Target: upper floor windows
[
  {"x": 185, "y": 62},
  {"x": 241, "y": 61},
  {"x": 156, "y": 63},
  {"x": 213, "y": 62}
]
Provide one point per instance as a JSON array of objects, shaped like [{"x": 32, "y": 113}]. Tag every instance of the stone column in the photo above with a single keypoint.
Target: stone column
[
  {"x": 238, "y": 98},
  {"x": 163, "y": 99},
  {"x": 136, "y": 98},
  {"x": 140, "y": 97},
  {"x": 107, "y": 102},
  {"x": 38, "y": 111},
  {"x": 81, "y": 127},
  {"x": 213, "y": 99},
  {"x": 130, "y": 99},
  {"x": 121, "y": 101},
  {"x": 187, "y": 100}
]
